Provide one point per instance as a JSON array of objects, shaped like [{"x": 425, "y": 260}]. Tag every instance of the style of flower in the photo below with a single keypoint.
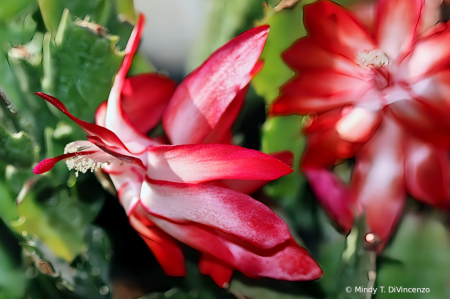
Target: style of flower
[
  {"x": 379, "y": 95},
  {"x": 178, "y": 192}
]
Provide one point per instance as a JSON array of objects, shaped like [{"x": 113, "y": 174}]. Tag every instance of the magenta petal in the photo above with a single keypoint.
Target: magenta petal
[
  {"x": 333, "y": 195},
  {"x": 208, "y": 162},
  {"x": 201, "y": 99}
]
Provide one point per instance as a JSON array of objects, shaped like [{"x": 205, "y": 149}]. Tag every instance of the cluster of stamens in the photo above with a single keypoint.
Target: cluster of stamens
[
  {"x": 374, "y": 58},
  {"x": 81, "y": 163}
]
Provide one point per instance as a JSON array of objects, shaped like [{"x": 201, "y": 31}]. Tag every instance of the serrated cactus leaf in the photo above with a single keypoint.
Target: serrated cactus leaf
[
  {"x": 79, "y": 66},
  {"x": 286, "y": 26}
]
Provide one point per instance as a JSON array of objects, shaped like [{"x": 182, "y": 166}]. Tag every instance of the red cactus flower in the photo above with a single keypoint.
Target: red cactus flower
[
  {"x": 178, "y": 192},
  {"x": 379, "y": 95}
]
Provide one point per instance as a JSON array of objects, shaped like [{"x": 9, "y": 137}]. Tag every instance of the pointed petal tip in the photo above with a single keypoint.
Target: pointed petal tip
[{"x": 44, "y": 166}]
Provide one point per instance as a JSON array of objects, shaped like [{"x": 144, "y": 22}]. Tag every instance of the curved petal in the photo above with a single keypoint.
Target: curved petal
[
  {"x": 100, "y": 114},
  {"x": 427, "y": 173},
  {"x": 144, "y": 98},
  {"x": 307, "y": 56},
  {"x": 219, "y": 272},
  {"x": 358, "y": 125},
  {"x": 221, "y": 209},
  {"x": 324, "y": 149},
  {"x": 423, "y": 121},
  {"x": 221, "y": 133},
  {"x": 251, "y": 186},
  {"x": 378, "y": 179},
  {"x": 431, "y": 14},
  {"x": 94, "y": 130},
  {"x": 128, "y": 181},
  {"x": 115, "y": 120},
  {"x": 397, "y": 22},
  {"x": 434, "y": 91},
  {"x": 208, "y": 162},
  {"x": 332, "y": 194},
  {"x": 165, "y": 248},
  {"x": 318, "y": 92},
  {"x": 336, "y": 29},
  {"x": 201, "y": 99},
  {"x": 365, "y": 12},
  {"x": 115, "y": 152},
  {"x": 288, "y": 261},
  {"x": 430, "y": 55}
]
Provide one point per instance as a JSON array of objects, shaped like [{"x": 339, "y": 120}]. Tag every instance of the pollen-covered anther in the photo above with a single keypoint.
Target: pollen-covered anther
[
  {"x": 374, "y": 58},
  {"x": 86, "y": 156}
]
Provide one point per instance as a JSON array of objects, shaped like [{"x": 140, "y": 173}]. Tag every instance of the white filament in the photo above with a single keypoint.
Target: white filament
[{"x": 375, "y": 58}]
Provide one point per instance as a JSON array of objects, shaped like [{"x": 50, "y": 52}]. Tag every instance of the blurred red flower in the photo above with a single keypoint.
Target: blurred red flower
[{"x": 377, "y": 94}]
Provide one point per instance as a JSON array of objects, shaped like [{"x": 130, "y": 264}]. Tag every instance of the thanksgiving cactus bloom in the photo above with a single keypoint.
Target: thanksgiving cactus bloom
[
  {"x": 379, "y": 95},
  {"x": 177, "y": 192}
]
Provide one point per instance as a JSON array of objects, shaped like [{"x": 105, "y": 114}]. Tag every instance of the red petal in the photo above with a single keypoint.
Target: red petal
[
  {"x": 165, "y": 248},
  {"x": 219, "y": 272},
  {"x": 358, "y": 125},
  {"x": 307, "y": 56},
  {"x": 116, "y": 120},
  {"x": 221, "y": 132},
  {"x": 251, "y": 186},
  {"x": 144, "y": 98},
  {"x": 288, "y": 261},
  {"x": 318, "y": 92},
  {"x": 378, "y": 179},
  {"x": 427, "y": 173},
  {"x": 94, "y": 130},
  {"x": 423, "y": 121},
  {"x": 397, "y": 25},
  {"x": 434, "y": 91},
  {"x": 201, "y": 99},
  {"x": 220, "y": 209},
  {"x": 336, "y": 29},
  {"x": 430, "y": 55},
  {"x": 326, "y": 148},
  {"x": 209, "y": 162}
]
